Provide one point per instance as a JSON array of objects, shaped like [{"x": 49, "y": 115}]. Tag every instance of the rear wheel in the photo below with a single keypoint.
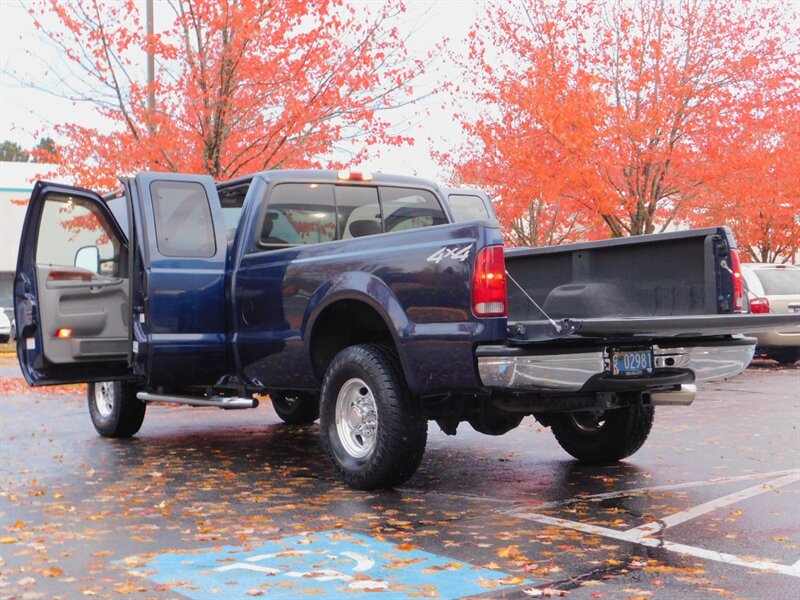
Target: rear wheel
[
  {"x": 296, "y": 408},
  {"x": 787, "y": 356},
  {"x": 601, "y": 437},
  {"x": 114, "y": 408},
  {"x": 371, "y": 426}
]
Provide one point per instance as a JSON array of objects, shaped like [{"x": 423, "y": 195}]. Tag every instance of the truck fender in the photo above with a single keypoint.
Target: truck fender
[{"x": 362, "y": 287}]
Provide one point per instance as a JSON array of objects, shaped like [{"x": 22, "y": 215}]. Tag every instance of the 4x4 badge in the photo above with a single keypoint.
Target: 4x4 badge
[{"x": 459, "y": 253}]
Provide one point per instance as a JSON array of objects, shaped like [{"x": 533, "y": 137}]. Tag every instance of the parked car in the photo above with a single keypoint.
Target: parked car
[
  {"x": 774, "y": 289},
  {"x": 5, "y": 327}
]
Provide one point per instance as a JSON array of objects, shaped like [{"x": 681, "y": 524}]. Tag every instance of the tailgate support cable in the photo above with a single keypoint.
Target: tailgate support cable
[{"x": 555, "y": 325}]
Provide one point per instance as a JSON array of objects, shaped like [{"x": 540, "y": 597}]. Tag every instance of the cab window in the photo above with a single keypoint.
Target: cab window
[
  {"x": 299, "y": 213},
  {"x": 358, "y": 211},
  {"x": 467, "y": 207},
  {"x": 69, "y": 227},
  {"x": 183, "y": 219},
  {"x": 405, "y": 208}
]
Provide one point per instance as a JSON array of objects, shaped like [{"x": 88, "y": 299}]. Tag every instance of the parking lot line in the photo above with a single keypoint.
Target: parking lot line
[
  {"x": 668, "y": 487},
  {"x": 712, "y": 505},
  {"x": 636, "y": 538},
  {"x": 644, "y": 535}
]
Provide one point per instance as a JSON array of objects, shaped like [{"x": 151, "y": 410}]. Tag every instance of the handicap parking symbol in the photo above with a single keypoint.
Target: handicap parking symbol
[{"x": 331, "y": 564}]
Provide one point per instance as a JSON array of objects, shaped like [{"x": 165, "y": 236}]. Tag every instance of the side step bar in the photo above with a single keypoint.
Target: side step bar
[
  {"x": 682, "y": 397},
  {"x": 217, "y": 401}
]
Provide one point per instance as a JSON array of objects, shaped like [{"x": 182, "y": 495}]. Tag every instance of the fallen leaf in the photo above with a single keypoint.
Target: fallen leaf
[
  {"x": 509, "y": 552},
  {"x": 405, "y": 547}
]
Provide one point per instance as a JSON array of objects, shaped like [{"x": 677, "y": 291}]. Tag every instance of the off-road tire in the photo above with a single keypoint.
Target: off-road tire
[
  {"x": 622, "y": 432},
  {"x": 395, "y": 450},
  {"x": 296, "y": 408},
  {"x": 115, "y": 410}
]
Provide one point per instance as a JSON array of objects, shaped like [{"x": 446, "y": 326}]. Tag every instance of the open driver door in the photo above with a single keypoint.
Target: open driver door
[{"x": 71, "y": 289}]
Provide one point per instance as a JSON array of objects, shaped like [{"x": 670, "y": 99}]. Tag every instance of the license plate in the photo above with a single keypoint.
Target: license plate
[{"x": 631, "y": 363}]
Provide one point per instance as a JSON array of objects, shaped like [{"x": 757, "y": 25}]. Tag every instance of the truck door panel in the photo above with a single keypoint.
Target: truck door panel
[
  {"x": 72, "y": 317},
  {"x": 179, "y": 308},
  {"x": 89, "y": 307}
]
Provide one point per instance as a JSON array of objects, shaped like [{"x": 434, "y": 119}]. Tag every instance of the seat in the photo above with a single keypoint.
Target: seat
[{"x": 364, "y": 227}]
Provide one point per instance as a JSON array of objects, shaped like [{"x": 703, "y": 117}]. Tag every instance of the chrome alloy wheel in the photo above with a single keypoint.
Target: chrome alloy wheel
[
  {"x": 356, "y": 418},
  {"x": 104, "y": 398},
  {"x": 588, "y": 421}
]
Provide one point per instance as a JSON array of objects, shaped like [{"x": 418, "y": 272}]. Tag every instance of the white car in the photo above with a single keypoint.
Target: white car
[
  {"x": 5, "y": 327},
  {"x": 774, "y": 289}
]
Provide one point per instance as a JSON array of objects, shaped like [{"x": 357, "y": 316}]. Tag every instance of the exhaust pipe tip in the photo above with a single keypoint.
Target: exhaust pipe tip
[{"x": 683, "y": 396}]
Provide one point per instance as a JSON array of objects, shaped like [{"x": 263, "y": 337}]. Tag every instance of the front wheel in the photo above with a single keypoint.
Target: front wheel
[
  {"x": 601, "y": 437},
  {"x": 114, "y": 408},
  {"x": 371, "y": 426},
  {"x": 295, "y": 408}
]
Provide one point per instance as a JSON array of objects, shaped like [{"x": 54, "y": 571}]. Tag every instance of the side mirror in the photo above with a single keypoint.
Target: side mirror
[{"x": 88, "y": 258}]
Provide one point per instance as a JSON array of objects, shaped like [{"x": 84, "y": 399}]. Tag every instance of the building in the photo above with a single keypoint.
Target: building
[{"x": 16, "y": 183}]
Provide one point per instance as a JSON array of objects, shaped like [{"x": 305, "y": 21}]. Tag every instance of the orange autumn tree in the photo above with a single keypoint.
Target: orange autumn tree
[
  {"x": 239, "y": 86},
  {"x": 596, "y": 119},
  {"x": 762, "y": 201}
]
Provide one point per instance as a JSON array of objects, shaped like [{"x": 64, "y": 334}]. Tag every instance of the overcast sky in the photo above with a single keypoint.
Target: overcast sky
[{"x": 27, "y": 112}]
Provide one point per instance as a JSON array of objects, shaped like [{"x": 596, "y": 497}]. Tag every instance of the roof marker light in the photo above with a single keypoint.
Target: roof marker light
[{"x": 346, "y": 175}]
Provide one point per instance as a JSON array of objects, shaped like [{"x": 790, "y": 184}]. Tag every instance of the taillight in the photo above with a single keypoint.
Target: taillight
[
  {"x": 759, "y": 306},
  {"x": 489, "y": 283},
  {"x": 738, "y": 288}
]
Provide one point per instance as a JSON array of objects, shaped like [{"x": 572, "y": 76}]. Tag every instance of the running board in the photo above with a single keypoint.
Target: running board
[{"x": 217, "y": 401}]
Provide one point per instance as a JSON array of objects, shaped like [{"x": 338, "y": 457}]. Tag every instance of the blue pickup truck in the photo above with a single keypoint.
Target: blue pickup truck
[{"x": 374, "y": 304}]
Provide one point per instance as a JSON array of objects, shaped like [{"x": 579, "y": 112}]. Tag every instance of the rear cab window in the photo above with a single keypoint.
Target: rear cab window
[
  {"x": 311, "y": 213},
  {"x": 299, "y": 213},
  {"x": 407, "y": 208}
]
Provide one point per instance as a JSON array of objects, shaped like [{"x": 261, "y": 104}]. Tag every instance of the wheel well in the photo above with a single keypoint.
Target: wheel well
[{"x": 342, "y": 324}]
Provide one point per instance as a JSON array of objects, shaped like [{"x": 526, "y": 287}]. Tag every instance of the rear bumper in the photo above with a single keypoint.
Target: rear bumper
[{"x": 503, "y": 367}]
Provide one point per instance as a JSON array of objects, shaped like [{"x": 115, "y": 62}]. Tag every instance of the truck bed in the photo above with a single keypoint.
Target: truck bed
[{"x": 644, "y": 276}]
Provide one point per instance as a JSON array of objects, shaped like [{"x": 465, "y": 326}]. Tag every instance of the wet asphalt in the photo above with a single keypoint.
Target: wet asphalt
[{"x": 714, "y": 495}]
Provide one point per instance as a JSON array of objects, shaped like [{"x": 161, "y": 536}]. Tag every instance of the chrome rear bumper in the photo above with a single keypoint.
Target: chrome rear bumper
[{"x": 571, "y": 371}]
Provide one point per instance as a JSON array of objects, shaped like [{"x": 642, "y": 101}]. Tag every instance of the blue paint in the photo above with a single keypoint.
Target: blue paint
[{"x": 330, "y": 564}]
